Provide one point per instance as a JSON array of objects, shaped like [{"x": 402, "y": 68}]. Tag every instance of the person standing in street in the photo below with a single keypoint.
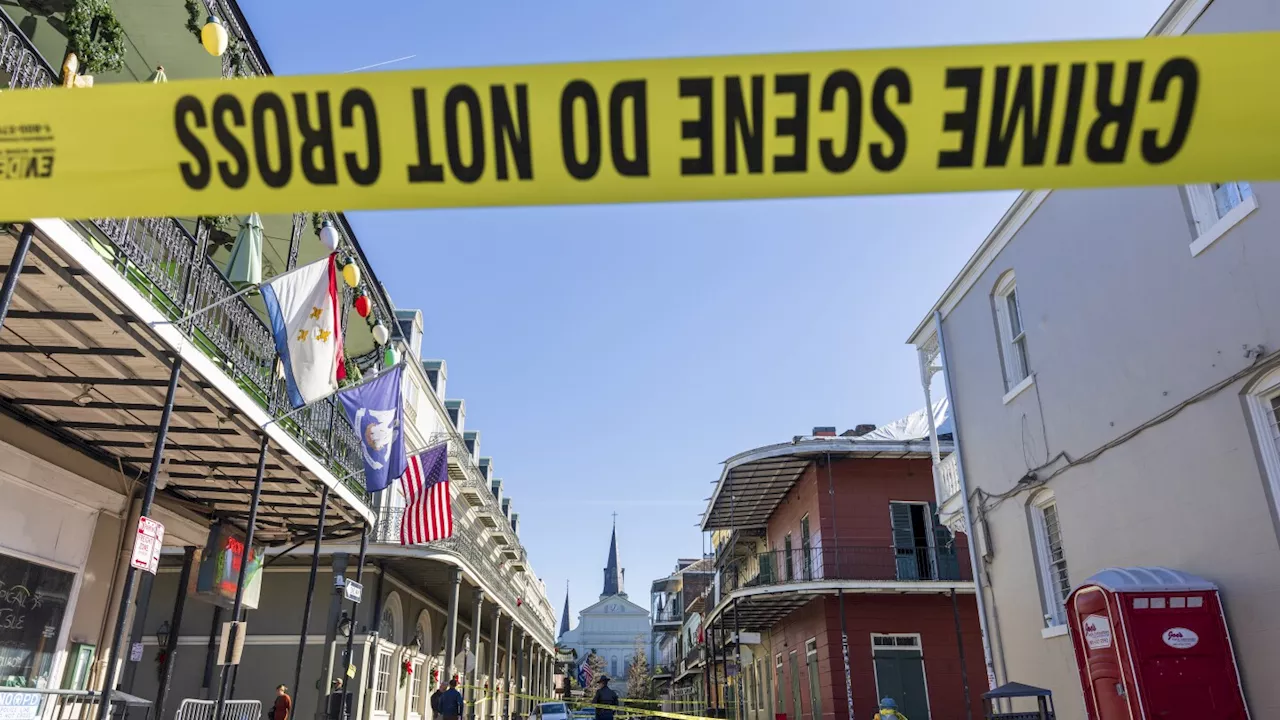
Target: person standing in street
[
  {"x": 435, "y": 702},
  {"x": 451, "y": 704},
  {"x": 283, "y": 708},
  {"x": 605, "y": 700},
  {"x": 889, "y": 711}
]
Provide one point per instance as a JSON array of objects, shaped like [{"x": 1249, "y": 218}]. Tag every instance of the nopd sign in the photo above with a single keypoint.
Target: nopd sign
[{"x": 1052, "y": 115}]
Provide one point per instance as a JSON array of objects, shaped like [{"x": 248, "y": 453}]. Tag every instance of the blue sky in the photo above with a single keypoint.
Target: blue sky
[{"x": 613, "y": 356}]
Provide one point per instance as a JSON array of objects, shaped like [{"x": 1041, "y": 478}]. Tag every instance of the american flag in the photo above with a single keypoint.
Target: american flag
[
  {"x": 585, "y": 674},
  {"x": 428, "y": 512}
]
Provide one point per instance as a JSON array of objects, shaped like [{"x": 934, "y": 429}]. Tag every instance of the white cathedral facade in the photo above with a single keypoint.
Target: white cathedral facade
[{"x": 614, "y": 627}]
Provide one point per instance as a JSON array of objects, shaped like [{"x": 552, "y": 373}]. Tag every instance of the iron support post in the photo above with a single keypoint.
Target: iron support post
[
  {"x": 15, "y": 270},
  {"x": 311, "y": 592},
  {"x": 175, "y": 630},
  {"x": 148, "y": 497}
]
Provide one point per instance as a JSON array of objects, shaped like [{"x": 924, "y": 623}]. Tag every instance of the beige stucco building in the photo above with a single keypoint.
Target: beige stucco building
[{"x": 1111, "y": 359}]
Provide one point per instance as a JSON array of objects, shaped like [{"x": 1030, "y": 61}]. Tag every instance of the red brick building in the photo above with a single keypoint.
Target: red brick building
[{"x": 805, "y": 528}]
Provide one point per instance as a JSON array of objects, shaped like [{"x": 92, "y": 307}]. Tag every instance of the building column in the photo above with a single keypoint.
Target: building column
[
  {"x": 493, "y": 663},
  {"x": 474, "y": 693},
  {"x": 521, "y": 673},
  {"x": 506, "y": 683},
  {"x": 451, "y": 624}
]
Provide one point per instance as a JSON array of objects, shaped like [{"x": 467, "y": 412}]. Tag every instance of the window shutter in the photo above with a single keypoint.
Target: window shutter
[
  {"x": 945, "y": 544},
  {"x": 904, "y": 541}
]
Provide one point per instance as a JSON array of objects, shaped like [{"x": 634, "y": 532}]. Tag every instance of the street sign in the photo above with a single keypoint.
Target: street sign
[
  {"x": 351, "y": 670},
  {"x": 352, "y": 590},
  {"x": 146, "y": 545},
  {"x": 232, "y": 657}
]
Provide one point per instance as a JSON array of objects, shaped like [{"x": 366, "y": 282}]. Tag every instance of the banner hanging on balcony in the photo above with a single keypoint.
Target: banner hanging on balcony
[
  {"x": 1198, "y": 108},
  {"x": 375, "y": 411},
  {"x": 302, "y": 306}
]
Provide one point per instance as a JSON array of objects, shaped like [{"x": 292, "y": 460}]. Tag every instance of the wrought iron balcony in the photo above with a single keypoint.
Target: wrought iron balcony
[
  {"x": 466, "y": 545},
  {"x": 668, "y": 615},
  {"x": 692, "y": 656},
  {"x": 171, "y": 267},
  {"x": 885, "y": 563}
]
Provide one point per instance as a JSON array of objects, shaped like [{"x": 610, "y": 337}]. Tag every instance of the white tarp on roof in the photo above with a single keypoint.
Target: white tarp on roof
[{"x": 914, "y": 426}]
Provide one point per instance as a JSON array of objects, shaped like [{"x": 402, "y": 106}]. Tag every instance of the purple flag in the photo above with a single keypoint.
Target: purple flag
[{"x": 376, "y": 414}]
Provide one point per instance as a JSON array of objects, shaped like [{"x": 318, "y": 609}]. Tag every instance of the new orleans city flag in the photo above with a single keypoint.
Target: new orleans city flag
[
  {"x": 374, "y": 409},
  {"x": 303, "y": 308}
]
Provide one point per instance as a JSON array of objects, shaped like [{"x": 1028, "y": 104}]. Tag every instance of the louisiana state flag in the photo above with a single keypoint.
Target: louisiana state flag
[{"x": 303, "y": 308}]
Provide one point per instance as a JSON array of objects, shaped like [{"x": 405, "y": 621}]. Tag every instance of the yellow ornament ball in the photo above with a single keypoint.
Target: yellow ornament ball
[
  {"x": 213, "y": 36},
  {"x": 351, "y": 275}
]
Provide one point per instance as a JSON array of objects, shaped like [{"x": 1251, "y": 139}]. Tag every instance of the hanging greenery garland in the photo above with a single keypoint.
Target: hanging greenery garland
[
  {"x": 95, "y": 36},
  {"x": 195, "y": 21}
]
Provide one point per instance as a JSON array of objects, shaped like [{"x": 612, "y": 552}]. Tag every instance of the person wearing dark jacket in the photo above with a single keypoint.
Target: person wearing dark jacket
[
  {"x": 435, "y": 702},
  {"x": 604, "y": 696},
  {"x": 451, "y": 704}
]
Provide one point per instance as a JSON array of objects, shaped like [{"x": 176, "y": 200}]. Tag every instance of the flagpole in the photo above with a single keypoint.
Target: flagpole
[
  {"x": 326, "y": 396},
  {"x": 229, "y": 298}
]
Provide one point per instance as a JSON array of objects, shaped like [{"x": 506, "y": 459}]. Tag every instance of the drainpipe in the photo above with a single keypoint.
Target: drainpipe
[{"x": 974, "y": 561}]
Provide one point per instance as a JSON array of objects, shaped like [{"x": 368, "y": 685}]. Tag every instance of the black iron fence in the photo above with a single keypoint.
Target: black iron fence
[
  {"x": 844, "y": 562},
  {"x": 668, "y": 615}
]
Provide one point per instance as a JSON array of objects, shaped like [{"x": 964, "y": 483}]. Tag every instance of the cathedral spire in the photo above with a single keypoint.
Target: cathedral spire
[
  {"x": 612, "y": 575},
  {"x": 564, "y": 616}
]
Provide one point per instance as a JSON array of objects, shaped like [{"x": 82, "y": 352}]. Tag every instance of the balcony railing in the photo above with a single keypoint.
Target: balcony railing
[
  {"x": 693, "y": 656},
  {"x": 668, "y": 615},
  {"x": 161, "y": 259},
  {"x": 465, "y": 544},
  {"x": 948, "y": 478},
  {"x": 910, "y": 564}
]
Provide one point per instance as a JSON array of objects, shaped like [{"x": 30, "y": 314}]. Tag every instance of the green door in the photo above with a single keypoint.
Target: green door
[
  {"x": 795, "y": 685},
  {"x": 904, "y": 542},
  {"x": 900, "y": 675}
]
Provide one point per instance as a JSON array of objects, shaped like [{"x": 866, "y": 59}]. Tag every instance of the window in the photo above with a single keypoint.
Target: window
[
  {"x": 786, "y": 555},
  {"x": 33, "y": 605},
  {"x": 415, "y": 689},
  {"x": 1055, "y": 583},
  {"x": 1264, "y": 406},
  {"x": 1013, "y": 338},
  {"x": 382, "y": 686},
  {"x": 777, "y": 684},
  {"x": 1216, "y": 208},
  {"x": 815, "y": 686}
]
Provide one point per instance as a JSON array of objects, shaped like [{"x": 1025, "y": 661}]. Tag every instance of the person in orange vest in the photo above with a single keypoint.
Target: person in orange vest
[{"x": 889, "y": 711}]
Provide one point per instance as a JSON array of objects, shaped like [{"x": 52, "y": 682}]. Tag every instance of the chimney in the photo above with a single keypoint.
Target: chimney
[
  {"x": 435, "y": 370},
  {"x": 824, "y": 431},
  {"x": 471, "y": 439},
  {"x": 863, "y": 429},
  {"x": 457, "y": 410},
  {"x": 486, "y": 468}
]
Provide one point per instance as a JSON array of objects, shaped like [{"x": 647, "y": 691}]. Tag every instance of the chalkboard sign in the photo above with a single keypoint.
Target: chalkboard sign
[{"x": 33, "y": 600}]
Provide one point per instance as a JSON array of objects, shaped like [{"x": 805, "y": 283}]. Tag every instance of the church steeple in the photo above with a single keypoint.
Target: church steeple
[
  {"x": 612, "y": 575},
  {"x": 564, "y": 616}
]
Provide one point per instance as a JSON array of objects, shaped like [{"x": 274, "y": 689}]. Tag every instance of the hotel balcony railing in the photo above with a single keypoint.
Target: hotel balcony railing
[
  {"x": 693, "y": 656},
  {"x": 466, "y": 544},
  {"x": 171, "y": 267},
  {"x": 948, "y": 478},
  {"x": 781, "y": 567},
  {"x": 669, "y": 615}
]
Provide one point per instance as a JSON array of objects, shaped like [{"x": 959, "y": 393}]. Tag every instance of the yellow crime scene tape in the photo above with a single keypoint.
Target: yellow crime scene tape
[
  {"x": 626, "y": 709},
  {"x": 1150, "y": 111}
]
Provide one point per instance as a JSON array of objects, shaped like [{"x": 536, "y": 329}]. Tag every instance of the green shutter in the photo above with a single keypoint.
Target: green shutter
[
  {"x": 904, "y": 541},
  {"x": 945, "y": 544}
]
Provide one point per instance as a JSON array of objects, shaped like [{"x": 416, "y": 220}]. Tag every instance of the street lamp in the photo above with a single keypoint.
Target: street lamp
[
  {"x": 213, "y": 36},
  {"x": 344, "y": 625},
  {"x": 162, "y": 635}
]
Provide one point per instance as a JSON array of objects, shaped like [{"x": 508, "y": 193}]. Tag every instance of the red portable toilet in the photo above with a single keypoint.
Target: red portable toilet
[{"x": 1152, "y": 644}]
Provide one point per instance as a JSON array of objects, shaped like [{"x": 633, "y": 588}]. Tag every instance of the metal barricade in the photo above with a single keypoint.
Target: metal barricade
[
  {"x": 43, "y": 704},
  {"x": 192, "y": 709}
]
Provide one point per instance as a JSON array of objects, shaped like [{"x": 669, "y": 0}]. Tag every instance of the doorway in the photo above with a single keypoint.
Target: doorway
[
  {"x": 899, "y": 669},
  {"x": 913, "y": 541}
]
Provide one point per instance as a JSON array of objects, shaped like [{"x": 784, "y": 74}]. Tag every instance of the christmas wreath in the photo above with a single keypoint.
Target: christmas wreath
[
  {"x": 95, "y": 36},
  {"x": 406, "y": 671}
]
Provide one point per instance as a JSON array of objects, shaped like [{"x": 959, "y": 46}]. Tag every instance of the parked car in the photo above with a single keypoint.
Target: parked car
[{"x": 550, "y": 711}]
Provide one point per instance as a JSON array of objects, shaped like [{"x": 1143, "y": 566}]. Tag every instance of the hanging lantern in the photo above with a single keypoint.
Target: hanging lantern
[
  {"x": 329, "y": 236},
  {"x": 351, "y": 273},
  {"x": 213, "y": 36},
  {"x": 391, "y": 357},
  {"x": 380, "y": 334},
  {"x": 363, "y": 305}
]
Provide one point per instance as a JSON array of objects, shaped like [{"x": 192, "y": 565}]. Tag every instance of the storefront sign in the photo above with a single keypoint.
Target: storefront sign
[
  {"x": 220, "y": 569},
  {"x": 146, "y": 545},
  {"x": 33, "y": 600},
  {"x": 19, "y": 706}
]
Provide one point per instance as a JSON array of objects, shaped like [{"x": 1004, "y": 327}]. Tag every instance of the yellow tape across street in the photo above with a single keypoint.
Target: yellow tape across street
[
  {"x": 1163, "y": 110},
  {"x": 622, "y": 710}
]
